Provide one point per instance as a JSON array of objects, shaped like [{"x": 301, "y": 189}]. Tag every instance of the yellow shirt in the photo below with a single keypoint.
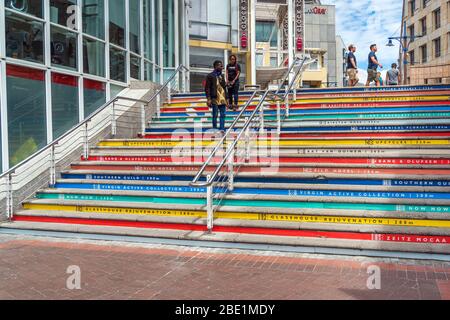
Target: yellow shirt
[{"x": 221, "y": 99}]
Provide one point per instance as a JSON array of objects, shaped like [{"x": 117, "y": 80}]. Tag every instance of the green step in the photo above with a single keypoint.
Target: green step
[
  {"x": 327, "y": 116},
  {"x": 249, "y": 203}
]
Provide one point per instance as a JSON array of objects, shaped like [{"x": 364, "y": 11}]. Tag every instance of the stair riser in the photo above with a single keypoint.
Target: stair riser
[
  {"x": 353, "y": 182},
  {"x": 442, "y": 212},
  {"x": 308, "y": 171},
  {"x": 363, "y": 112}
]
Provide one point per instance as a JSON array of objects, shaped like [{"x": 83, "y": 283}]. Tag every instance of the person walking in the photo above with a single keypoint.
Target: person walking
[
  {"x": 215, "y": 89},
  {"x": 352, "y": 66},
  {"x": 393, "y": 77},
  {"x": 233, "y": 72},
  {"x": 373, "y": 66}
]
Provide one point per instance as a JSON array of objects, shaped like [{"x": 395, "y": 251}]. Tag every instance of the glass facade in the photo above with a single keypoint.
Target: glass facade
[{"x": 60, "y": 63}]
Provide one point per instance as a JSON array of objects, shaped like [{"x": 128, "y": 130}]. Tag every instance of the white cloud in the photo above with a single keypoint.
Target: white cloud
[{"x": 364, "y": 22}]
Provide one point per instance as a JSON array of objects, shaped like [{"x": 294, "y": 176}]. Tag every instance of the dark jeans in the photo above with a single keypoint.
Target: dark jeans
[
  {"x": 233, "y": 94},
  {"x": 215, "y": 111}
]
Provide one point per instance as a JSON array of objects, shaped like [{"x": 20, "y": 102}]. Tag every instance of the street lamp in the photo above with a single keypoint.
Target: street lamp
[{"x": 405, "y": 41}]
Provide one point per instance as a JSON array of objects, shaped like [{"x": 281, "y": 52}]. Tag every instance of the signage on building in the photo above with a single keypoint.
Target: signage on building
[
  {"x": 317, "y": 10},
  {"x": 299, "y": 20},
  {"x": 286, "y": 32},
  {"x": 243, "y": 24}
]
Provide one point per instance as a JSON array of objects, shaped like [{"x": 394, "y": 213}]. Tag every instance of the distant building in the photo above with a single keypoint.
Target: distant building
[{"x": 428, "y": 58}]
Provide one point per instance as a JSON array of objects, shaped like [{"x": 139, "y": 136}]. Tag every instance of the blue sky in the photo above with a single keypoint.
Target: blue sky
[{"x": 363, "y": 22}]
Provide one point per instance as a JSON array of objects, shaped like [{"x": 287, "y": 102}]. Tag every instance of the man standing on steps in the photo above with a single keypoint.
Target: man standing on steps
[
  {"x": 393, "y": 77},
  {"x": 373, "y": 66},
  {"x": 215, "y": 89},
  {"x": 352, "y": 66}
]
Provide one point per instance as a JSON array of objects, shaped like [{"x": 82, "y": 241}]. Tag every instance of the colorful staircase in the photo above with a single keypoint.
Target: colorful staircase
[{"x": 355, "y": 168}]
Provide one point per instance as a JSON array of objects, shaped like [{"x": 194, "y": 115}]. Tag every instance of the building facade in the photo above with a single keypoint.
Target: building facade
[
  {"x": 427, "y": 22},
  {"x": 60, "y": 60},
  {"x": 214, "y": 35}
]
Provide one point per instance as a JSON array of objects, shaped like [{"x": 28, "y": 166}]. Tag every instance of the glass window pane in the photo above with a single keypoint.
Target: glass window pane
[
  {"x": 168, "y": 34},
  {"x": 148, "y": 30},
  {"x": 157, "y": 31},
  {"x": 64, "y": 103},
  {"x": 94, "y": 18},
  {"x": 117, "y": 22},
  {"x": 27, "y": 128},
  {"x": 63, "y": 12},
  {"x": 24, "y": 38},
  {"x": 219, "y": 33},
  {"x": 267, "y": 31},
  {"x": 115, "y": 90},
  {"x": 198, "y": 12},
  {"x": 64, "y": 48},
  {"x": 117, "y": 66},
  {"x": 135, "y": 18},
  {"x": 148, "y": 75},
  {"x": 94, "y": 96},
  {"x": 33, "y": 7},
  {"x": 135, "y": 67},
  {"x": 94, "y": 57},
  {"x": 219, "y": 12}
]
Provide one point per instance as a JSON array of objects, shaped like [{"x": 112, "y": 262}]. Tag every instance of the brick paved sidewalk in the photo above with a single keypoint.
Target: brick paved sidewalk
[{"x": 36, "y": 268}]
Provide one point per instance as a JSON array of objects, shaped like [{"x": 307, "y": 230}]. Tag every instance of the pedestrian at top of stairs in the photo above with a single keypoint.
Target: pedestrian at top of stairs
[
  {"x": 393, "y": 76},
  {"x": 373, "y": 66},
  {"x": 233, "y": 73},
  {"x": 352, "y": 66},
  {"x": 216, "y": 94}
]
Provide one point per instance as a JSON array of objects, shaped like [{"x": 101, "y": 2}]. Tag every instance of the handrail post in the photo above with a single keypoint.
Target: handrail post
[
  {"x": 9, "y": 198},
  {"x": 86, "y": 141},
  {"x": 278, "y": 117},
  {"x": 158, "y": 106},
  {"x": 143, "y": 124},
  {"x": 261, "y": 115},
  {"x": 286, "y": 102},
  {"x": 113, "y": 120},
  {"x": 247, "y": 144},
  {"x": 52, "y": 166},
  {"x": 209, "y": 205},
  {"x": 231, "y": 167},
  {"x": 169, "y": 93}
]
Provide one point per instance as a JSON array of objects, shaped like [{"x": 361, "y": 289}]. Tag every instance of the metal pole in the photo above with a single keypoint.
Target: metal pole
[
  {"x": 261, "y": 116},
  {"x": 143, "y": 125},
  {"x": 52, "y": 167},
  {"x": 286, "y": 102},
  {"x": 113, "y": 120},
  {"x": 158, "y": 106},
  {"x": 9, "y": 197},
  {"x": 231, "y": 168},
  {"x": 247, "y": 144},
  {"x": 86, "y": 142},
  {"x": 169, "y": 93},
  {"x": 209, "y": 206},
  {"x": 278, "y": 117}
]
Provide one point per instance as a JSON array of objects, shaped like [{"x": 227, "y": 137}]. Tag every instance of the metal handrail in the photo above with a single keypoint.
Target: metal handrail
[
  {"x": 89, "y": 119},
  {"x": 230, "y": 150},
  {"x": 219, "y": 145},
  {"x": 277, "y": 95}
]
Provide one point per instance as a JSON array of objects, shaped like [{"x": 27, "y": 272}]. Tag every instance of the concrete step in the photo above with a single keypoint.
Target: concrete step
[
  {"x": 385, "y": 176},
  {"x": 350, "y": 223},
  {"x": 273, "y": 142},
  {"x": 258, "y": 191},
  {"x": 364, "y": 113},
  {"x": 315, "y": 170},
  {"x": 248, "y": 203},
  {"x": 324, "y": 123},
  {"x": 300, "y": 118},
  {"x": 347, "y": 185},
  {"x": 290, "y": 152},
  {"x": 223, "y": 232}
]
